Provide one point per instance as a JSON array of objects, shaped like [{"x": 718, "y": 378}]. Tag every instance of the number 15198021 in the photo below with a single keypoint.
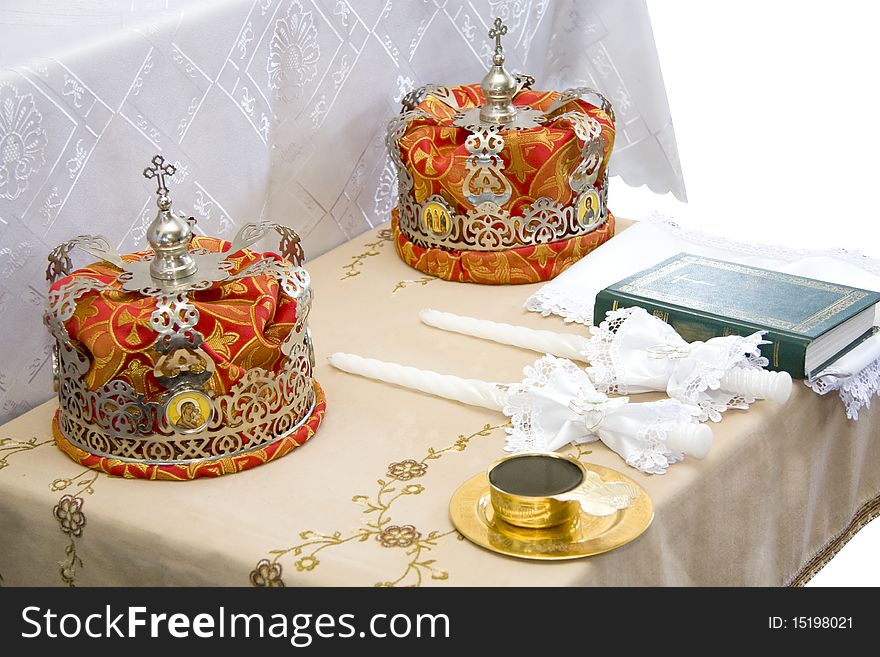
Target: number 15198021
[{"x": 810, "y": 623}]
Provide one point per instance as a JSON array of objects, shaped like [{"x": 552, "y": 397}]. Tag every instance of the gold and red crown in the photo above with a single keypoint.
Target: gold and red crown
[
  {"x": 498, "y": 183},
  {"x": 190, "y": 359}
]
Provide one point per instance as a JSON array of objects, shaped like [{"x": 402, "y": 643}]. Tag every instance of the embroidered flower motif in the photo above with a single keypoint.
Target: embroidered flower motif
[
  {"x": 401, "y": 536},
  {"x": 68, "y": 572},
  {"x": 408, "y": 469},
  {"x": 293, "y": 51},
  {"x": 306, "y": 563},
  {"x": 22, "y": 141},
  {"x": 69, "y": 514},
  {"x": 266, "y": 574}
]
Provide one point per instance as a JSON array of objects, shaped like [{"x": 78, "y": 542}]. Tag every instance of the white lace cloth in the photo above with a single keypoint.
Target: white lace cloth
[
  {"x": 856, "y": 376},
  {"x": 633, "y": 351},
  {"x": 271, "y": 108},
  {"x": 556, "y": 404}
]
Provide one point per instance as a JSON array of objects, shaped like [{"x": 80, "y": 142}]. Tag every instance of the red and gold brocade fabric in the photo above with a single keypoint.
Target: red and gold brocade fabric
[
  {"x": 537, "y": 161},
  {"x": 243, "y": 322}
]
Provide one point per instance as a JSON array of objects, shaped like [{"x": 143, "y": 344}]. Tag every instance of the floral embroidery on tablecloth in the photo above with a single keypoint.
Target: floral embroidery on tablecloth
[
  {"x": 10, "y": 446},
  {"x": 266, "y": 574},
  {"x": 71, "y": 518},
  {"x": 402, "y": 285},
  {"x": 68, "y": 512},
  {"x": 408, "y": 469},
  {"x": 398, "y": 536},
  {"x": 352, "y": 269},
  {"x": 406, "y": 539}
]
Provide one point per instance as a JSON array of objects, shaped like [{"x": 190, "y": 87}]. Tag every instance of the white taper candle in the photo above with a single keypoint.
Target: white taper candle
[
  {"x": 565, "y": 345},
  {"x": 761, "y": 384},
  {"x": 466, "y": 391},
  {"x": 691, "y": 439}
]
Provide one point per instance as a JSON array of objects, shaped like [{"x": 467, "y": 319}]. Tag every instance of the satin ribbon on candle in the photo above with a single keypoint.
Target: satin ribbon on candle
[
  {"x": 556, "y": 404},
  {"x": 633, "y": 351}
]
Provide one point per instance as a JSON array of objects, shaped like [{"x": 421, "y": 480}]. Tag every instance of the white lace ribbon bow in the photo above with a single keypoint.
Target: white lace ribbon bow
[
  {"x": 633, "y": 351},
  {"x": 557, "y": 404}
]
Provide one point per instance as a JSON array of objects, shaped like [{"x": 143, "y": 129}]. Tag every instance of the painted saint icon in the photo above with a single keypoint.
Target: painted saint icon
[
  {"x": 436, "y": 219},
  {"x": 188, "y": 411},
  {"x": 190, "y": 416},
  {"x": 589, "y": 210}
]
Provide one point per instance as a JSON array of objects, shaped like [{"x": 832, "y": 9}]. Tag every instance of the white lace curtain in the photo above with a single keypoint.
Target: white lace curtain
[{"x": 267, "y": 107}]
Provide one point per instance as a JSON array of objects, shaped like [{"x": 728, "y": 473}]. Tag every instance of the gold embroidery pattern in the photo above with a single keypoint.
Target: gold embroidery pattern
[
  {"x": 71, "y": 519},
  {"x": 352, "y": 269},
  {"x": 406, "y": 470},
  {"x": 266, "y": 574},
  {"x": 68, "y": 512},
  {"x": 220, "y": 340},
  {"x": 402, "y": 285},
  {"x": 398, "y": 536},
  {"x": 412, "y": 543},
  {"x": 10, "y": 446}
]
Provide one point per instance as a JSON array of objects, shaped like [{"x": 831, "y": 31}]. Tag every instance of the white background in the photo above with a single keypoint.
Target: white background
[{"x": 776, "y": 117}]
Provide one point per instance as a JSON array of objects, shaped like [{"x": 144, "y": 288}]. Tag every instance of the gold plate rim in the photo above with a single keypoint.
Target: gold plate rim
[{"x": 467, "y": 518}]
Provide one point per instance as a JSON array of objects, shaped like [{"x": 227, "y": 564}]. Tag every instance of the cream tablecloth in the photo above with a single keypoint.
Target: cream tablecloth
[{"x": 783, "y": 488}]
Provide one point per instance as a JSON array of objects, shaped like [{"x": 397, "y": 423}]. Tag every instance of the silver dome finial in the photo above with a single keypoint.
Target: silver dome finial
[
  {"x": 169, "y": 234},
  {"x": 499, "y": 86}
]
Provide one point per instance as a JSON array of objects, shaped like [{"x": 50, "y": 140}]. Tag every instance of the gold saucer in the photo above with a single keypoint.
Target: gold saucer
[{"x": 472, "y": 515}]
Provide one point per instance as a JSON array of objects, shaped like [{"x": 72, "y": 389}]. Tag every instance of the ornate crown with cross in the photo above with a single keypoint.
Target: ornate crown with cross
[
  {"x": 190, "y": 359},
  {"x": 498, "y": 183}
]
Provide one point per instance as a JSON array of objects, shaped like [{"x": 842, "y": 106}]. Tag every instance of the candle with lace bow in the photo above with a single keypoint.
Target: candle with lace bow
[
  {"x": 633, "y": 351},
  {"x": 556, "y": 404}
]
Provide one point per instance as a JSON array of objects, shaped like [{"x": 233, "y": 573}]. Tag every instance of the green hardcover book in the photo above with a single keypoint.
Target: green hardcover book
[{"x": 809, "y": 323}]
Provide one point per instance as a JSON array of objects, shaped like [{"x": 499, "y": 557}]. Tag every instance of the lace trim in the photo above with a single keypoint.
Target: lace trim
[
  {"x": 646, "y": 452},
  {"x": 700, "y": 388},
  {"x": 603, "y": 351},
  {"x": 525, "y": 433},
  {"x": 856, "y": 391},
  {"x": 550, "y": 301},
  {"x": 775, "y": 252},
  {"x": 655, "y": 457}
]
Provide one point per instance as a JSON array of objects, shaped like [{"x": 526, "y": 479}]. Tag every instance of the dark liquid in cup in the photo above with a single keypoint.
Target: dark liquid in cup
[{"x": 535, "y": 476}]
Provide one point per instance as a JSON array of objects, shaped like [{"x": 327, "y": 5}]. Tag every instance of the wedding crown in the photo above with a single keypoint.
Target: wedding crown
[
  {"x": 498, "y": 166},
  {"x": 191, "y": 359}
]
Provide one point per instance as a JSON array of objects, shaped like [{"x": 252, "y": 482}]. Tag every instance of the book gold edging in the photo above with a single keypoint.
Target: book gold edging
[{"x": 851, "y": 296}]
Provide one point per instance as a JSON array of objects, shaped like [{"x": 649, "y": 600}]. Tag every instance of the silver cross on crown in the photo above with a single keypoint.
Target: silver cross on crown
[
  {"x": 158, "y": 171},
  {"x": 496, "y": 33}
]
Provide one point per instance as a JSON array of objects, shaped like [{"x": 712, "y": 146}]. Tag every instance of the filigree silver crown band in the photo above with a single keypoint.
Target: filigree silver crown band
[
  {"x": 186, "y": 423},
  {"x": 487, "y": 226}
]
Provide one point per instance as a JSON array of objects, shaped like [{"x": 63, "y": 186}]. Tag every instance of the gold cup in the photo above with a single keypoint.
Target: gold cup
[{"x": 536, "y": 490}]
